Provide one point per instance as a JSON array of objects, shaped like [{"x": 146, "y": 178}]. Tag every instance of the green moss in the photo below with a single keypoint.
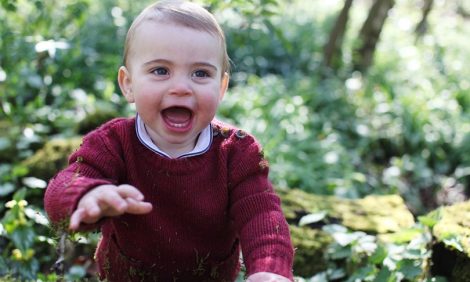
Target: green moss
[
  {"x": 375, "y": 213},
  {"x": 454, "y": 226},
  {"x": 47, "y": 161},
  {"x": 310, "y": 247},
  {"x": 95, "y": 119}
]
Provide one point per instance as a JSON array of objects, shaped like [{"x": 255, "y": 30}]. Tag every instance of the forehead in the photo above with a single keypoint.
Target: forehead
[{"x": 160, "y": 37}]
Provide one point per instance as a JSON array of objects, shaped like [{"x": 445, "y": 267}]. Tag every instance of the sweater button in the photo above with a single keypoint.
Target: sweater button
[
  {"x": 224, "y": 132},
  {"x": 240, "y": 134}
]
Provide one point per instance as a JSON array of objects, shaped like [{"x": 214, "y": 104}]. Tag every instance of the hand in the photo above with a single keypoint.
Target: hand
[
  {"x": 108, "y": 200},
  {"x": 266, "y": 277}
]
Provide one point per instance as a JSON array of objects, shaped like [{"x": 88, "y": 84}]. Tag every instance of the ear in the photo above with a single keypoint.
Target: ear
[
  {"x": 223, "y": 86},
  {"x": 125, "y": 83}
]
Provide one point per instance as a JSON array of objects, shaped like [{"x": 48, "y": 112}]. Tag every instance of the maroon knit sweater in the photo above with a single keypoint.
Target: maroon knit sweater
[{"x": 204, "y": 207}]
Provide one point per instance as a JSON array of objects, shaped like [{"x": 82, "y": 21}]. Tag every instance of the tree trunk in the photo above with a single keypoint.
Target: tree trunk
[
  {"x": 422, "y": 26},
  {"x": 370, "y": 33},
  {"x": 332, "y": 50},
  {"x": 462, "y": 11}
]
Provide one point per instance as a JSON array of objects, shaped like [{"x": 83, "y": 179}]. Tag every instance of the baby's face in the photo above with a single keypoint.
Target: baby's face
[{"x": 175, "y": 78}]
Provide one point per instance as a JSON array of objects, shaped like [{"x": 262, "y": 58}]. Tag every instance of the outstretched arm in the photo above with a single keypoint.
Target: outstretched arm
[{"x": 108, "y": 200}]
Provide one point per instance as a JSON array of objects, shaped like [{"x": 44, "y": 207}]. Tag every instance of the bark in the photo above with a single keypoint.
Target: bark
[
  {"x": 422, "y": 26},
  {"x": 370, "y": 33},
  {"x": 462, "y": 11},
  {"x": 332, "y": 50}
]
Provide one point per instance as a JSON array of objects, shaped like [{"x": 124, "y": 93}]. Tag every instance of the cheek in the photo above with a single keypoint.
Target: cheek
[
  {"x": 145, "y": 101},
  {"x": 211, "y": 101}
]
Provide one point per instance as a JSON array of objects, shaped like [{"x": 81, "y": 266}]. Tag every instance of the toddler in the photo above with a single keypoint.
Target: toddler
[{"x": 176, "y": 193}]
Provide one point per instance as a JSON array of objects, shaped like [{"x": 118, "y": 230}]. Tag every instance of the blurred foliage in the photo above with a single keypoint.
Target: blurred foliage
[{"x": 403, "y": 128}]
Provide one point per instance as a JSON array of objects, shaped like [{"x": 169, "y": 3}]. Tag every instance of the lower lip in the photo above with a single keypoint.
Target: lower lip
[{"x": 178, "y": 127}]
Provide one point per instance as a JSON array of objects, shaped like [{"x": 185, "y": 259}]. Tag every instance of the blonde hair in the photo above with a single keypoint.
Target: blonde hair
[{"x": 183, "y": 13}]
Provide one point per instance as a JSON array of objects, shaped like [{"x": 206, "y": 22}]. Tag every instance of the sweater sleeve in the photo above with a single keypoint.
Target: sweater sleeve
[
  {"x": 96, "y": 162},
  {"x": 256, "y": 211}
]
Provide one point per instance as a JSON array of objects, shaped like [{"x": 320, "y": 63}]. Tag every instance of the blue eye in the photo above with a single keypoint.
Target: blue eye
[
  {"x": 201, "y": 73},
  {"x": 160, "y": 71}
]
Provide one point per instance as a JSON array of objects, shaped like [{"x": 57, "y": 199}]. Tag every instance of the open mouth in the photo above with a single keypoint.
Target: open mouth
[{"x": 177, "y": 117}]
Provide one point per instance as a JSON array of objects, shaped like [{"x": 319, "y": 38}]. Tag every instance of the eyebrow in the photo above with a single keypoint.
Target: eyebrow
[{"x": 167, "y": 62}]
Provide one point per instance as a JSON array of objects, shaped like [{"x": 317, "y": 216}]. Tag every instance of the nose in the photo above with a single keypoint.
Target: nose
[{"x": 181, "y": 86}]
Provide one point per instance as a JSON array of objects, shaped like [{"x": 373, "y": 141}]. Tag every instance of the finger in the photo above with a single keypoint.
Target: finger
[
  {"x": 129, "y": 191},
  {"x": 138, "y": 207},
  {"x": 76, "y": 218},
  {"x": 91, "y": 207},
  {"x": 112, "y": 203},
  {"x": 91, "y": 212}
]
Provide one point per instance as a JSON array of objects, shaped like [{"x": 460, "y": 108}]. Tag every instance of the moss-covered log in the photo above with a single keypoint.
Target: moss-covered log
[
  {"x": 47, "y": 161},
  {"x": 310, "y": 247},
  {"x": 372, "y": 214}
]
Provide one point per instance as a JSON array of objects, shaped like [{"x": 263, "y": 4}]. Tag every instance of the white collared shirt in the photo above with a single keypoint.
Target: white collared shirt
[{"x": 203, "y": 143}]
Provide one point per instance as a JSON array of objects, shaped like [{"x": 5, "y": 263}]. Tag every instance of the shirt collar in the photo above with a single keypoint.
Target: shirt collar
[{"x": 203, "y": 143}]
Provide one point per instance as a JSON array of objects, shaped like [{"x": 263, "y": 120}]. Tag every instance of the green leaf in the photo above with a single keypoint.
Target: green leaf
[
  {"x": 410, "y": 268},
  {"x": 378, "y": 256},
  {"x": 23, "y": 237},
  {"x": 453, "y": 242},
  {"x": 430, "y": 219},
  {"x": 3, "y": 266},
  {"x": 345, "y": 239},
  {"x": 20, "y": 195},
  {"x": 403, "y": 236},
  {"x": 4, "y": 143},
  {"x": 362, "y": 273},
  {"x": 33, "y": 182},
  {"x": 312, "y": 218},
  {"x": 339, "y": 252},
  {"x": 37, "y": 216},
  {"x": 19, "y": 170},
  {"x": 6, "y": 189},
  {"x": 383, "y": 275},
  {"x": 334, "y": 228},
  {"x": 335, "y": 274},
  {"x": 320, "y": 277},
  {"x": 76, "y": 272}
]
